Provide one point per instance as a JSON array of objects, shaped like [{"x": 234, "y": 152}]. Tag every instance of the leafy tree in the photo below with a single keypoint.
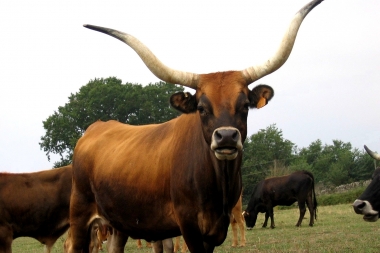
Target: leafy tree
[
  {"x": 105, "y": 99},
  {"x": 364, "y": 165},
  {"x": 263, "y": 153}
]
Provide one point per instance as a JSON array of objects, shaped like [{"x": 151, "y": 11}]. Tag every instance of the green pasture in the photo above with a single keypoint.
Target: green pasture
[{"x": 337, "y": 229}]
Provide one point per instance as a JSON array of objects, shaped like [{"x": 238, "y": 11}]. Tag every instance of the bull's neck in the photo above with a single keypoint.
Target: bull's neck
[{"x": 226, "y": 173}]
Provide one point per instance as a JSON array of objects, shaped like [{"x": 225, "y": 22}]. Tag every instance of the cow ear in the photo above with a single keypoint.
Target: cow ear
[
  {"x": 184, "y": 102},
  {"x": 260, "y": 96}
]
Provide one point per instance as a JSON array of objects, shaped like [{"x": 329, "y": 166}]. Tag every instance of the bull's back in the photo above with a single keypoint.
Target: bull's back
[{"x": 286, "y": 190}]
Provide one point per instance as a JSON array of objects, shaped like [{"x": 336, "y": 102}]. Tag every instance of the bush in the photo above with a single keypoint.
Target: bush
[
  {"x": 333, "y": 199},
  {"x": 340, "y": 198}
]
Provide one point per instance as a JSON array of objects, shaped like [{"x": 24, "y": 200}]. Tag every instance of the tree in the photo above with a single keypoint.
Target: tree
[
  {"x": 264, "y": 153},
  {"x": 105, "y": 99}
]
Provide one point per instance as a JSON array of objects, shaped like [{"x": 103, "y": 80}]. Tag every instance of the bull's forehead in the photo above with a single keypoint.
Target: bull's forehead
[{"x": 223, "y": 90}]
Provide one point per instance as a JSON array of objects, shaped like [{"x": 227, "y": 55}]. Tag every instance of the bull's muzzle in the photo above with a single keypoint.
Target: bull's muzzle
[
  {"x": 226, "y": 143},
  {"x": 365, "y": 208}
]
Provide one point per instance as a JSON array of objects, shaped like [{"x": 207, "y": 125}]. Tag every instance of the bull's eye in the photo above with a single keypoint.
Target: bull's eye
[
  {"x": 246, "y": 106},
  {"x": 201, "y": 110}
]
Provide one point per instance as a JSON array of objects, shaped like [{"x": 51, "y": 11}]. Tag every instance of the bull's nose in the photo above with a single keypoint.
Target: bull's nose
[
  {"x": 227, "y": 137},
  {"x": 358, "y": 206}
]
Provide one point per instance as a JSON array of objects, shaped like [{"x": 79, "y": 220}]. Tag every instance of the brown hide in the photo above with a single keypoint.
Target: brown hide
[
  {"x": 34, "y": 205},
  {"x": 181, "y": 177},
  {"x": 178, "y": 184},
  {"x": 236, "y": 221}
]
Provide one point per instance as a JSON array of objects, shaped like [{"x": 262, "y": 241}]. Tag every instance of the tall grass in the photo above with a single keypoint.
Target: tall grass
[{"x": 338, "y": 229}]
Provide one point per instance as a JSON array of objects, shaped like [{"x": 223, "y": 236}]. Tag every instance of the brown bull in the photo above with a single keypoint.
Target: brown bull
[
  {"x": 34, "y": 205},
  {"x": 180, "y": 177}
]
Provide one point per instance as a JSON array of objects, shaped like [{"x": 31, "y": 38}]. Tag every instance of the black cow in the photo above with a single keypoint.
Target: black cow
[
  {"x": 283, "y": 191},
  {"x": 368, "y": 204}
]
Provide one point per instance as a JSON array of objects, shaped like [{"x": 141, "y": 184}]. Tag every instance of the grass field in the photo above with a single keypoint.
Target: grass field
[{"x": 337, "y": 229}]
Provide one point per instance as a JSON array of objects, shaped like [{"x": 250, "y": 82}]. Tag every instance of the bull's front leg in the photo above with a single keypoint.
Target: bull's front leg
[{"x": 266, "y": 219}]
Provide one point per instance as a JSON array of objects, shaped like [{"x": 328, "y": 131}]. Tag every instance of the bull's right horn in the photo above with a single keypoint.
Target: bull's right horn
[
  {"x": 256, "y": 72},
  {"x": 159, "y": 69},
  {"x": 374, "y": 155}
]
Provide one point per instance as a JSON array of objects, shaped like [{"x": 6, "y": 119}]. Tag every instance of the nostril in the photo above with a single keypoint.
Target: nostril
[
  {"x": 361, "y": 205},
  {"x": 235, "y": 135},
  {"x": 218, "y": 135}
]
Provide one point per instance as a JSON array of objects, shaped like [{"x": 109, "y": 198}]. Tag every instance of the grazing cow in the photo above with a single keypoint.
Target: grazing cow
[
  {"x": 34, "y": 205},
  {"x": 183, "y": 176},
  {"x": 283, "y": 191},
  {"x": 368, "y": 203}
]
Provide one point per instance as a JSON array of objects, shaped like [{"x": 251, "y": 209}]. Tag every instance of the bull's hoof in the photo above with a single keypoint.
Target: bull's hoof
[{"x": 272, "y": 227}]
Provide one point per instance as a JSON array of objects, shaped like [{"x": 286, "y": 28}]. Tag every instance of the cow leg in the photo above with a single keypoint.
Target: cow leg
[
  {"x": 242, "y": 233},
  {"x": 138, "y": 242},
  {"x": 49, "y": 245},
  {"x": 6, "y": 238},
  {"x": 194, "y": 241},
  {"x": 310, "y": 205},
  {"x": 157, "y": 247},
  {"x": 234, "y": 233},
  {"x": 116, "y": 242},
  {"x": 302, "y": 208},
  {"x": 271, "y": 215},
  {"x": 266, "y": 219},
  {"x": 168, "y": 245},
  {"x": 184, "y": 247},
  {"x": 81, "y": 212},
  {"x": 160, "y": 246},
  {"x": 177, "y": 243}
]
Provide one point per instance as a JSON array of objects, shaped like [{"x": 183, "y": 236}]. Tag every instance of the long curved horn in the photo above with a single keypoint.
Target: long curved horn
[
  {"x": 151, "y": 61},
  {"x": 256, "y": 72},
  {"x": 374, "y": 155}
]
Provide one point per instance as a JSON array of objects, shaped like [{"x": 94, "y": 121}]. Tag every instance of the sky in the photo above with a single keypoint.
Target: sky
[{"x": 328, "y": 89}]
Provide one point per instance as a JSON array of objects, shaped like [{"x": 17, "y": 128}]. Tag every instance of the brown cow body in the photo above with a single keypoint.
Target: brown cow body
[
  {"x": 283, "y": 191},
  {"x": 181, "y": 177},
  {"x": 34, "y": 205},
  {"x": 237, "y": 223}
]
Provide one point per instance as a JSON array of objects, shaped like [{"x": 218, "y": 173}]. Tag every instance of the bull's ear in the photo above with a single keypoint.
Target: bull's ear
[
  {"x": 260, "y": 96},
  {"x": 184, "y": 102}
]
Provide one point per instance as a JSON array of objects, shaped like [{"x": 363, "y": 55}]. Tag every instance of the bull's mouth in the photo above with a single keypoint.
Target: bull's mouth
[
  {"x": 226, "y": 150},
  {"x": 371, "y": 217},
  {"x": 226, "y": 153}
]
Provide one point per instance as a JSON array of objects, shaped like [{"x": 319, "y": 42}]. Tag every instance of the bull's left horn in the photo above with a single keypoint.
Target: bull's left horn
[
  {"x": 374, "y": 155},
  {"x": 256, "y": 72},
  {"x": 159, "y": 69}
]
